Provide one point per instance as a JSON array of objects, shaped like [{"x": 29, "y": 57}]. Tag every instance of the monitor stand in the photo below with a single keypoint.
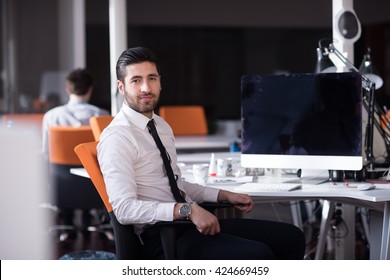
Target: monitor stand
[{"x": 310, "y": 176}]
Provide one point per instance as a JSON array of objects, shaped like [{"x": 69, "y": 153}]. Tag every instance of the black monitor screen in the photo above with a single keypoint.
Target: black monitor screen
[{"x": 302, "y": 115}]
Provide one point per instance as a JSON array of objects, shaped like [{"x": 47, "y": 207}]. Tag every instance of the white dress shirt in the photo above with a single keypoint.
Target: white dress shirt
[
  {"x": 137, "y": 185},
  {"x": 75, "y": 113}
]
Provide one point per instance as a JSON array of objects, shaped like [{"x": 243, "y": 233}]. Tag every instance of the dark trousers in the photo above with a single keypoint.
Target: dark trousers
[{"x": 238, "y": 239}]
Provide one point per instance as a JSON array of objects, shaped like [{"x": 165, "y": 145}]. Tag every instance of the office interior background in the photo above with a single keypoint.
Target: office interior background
[{"x": 204, "y": 46}]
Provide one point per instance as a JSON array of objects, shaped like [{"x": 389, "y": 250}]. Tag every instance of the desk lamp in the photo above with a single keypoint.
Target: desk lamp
[
  {"x": 324, "y": 64},
  {"x": 367, "y": 68}
]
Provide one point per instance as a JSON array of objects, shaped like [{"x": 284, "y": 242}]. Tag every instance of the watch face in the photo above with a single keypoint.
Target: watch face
[{"x": 185, "y": 211}]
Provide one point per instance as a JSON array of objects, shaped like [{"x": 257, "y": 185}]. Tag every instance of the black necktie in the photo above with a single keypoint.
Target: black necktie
[{"x": 164, "y": 154}]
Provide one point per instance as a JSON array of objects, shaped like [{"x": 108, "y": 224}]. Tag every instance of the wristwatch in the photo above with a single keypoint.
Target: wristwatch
[{"x": 185, "y": 211}]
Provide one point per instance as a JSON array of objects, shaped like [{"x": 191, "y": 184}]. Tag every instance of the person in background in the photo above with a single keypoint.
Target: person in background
[
  {"x": 139, "y": 190},
  {"x": 77, "y": 112}
]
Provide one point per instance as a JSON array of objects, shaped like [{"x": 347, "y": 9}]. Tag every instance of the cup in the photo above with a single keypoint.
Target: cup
[
  {"x": 229, "y": 167},
  {"x": 221, "y": 167},
  {"x": 201, "y": 172}
]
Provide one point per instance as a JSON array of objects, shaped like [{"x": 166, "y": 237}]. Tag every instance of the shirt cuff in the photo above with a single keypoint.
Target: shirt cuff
[
  {"x": 165, "y": 212},
  {"x": 210, "y": 194}
]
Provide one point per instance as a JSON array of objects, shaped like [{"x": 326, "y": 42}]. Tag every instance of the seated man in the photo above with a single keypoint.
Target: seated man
[
  {"x": 77, "y": 112},
  {"x": 143, "y": 190}
]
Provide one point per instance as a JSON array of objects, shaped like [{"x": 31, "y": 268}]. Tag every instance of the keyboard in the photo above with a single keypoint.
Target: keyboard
[{"x": 268, "y": 187}]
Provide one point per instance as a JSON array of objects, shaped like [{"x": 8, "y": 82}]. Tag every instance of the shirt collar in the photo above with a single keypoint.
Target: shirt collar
[
  {"x": 76, "y": 101},
  {"x": 135, "y": 117}
]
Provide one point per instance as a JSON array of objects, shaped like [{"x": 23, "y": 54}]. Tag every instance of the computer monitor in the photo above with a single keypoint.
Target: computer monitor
[{"x": 302, "y": 121}]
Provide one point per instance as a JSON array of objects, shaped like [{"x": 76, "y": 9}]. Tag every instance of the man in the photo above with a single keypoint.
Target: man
[
  {"x": 77, "y": 112},
  {"x": 139, "y": 189}
]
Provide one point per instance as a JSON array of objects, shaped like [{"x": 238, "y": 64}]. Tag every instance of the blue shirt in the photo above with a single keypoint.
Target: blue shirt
[{"x": 75, "y": 113}]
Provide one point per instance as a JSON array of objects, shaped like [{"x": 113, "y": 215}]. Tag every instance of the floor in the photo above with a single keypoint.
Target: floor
[
  {"x": 95, "y": 241},
  {"x": 276, "y": 211},
  {"x": 81, "y": 239}
]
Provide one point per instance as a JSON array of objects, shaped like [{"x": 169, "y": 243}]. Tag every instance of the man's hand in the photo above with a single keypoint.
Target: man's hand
[
  {"x": 204, "y": 221},
  {"x": 240, "y": 201}
]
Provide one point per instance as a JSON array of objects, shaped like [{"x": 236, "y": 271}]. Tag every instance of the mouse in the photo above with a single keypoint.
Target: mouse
[{"x": 366, "y": 187}]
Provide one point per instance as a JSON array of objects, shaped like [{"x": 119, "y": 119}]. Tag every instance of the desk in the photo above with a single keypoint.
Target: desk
[
  {"x": 209, "y": 143},
  {"x": 79, "y": 171},
  {"x": 378, "y": 199},
  {"x": 205, "y": 157}
]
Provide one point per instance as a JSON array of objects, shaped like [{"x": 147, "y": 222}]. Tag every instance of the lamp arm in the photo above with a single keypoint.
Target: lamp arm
[
  {"x": 369, "y": 86},
  {"x": 366, "y": 82}
]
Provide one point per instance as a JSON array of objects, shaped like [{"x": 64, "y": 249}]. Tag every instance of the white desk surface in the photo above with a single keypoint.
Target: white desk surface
[
  {"x": 309, "y": 190},
  {"x": 205, "y": 157},
  {"x": 79, "y": 171},
  {"x": 210, "y": 142},
  {"x": 326, "y": 190}
]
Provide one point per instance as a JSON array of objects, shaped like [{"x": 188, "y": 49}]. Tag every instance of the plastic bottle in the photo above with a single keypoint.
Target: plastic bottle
[{"x": 213, "y": 166}]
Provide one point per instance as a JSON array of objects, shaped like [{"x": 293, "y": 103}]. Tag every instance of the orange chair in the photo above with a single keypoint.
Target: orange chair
[
  {"x": 23, "y": 120},
  {"x": 185, "y": 120},
  {"x": 99, "y": 123},
  {"x": 71, "y": 192},
  {"x": 127, "y": 245},
  {"x": 63, "y": 140}
]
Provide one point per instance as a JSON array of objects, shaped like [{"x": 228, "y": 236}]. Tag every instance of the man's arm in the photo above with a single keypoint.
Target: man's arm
[
  {"x": 240, "y": 201},
  {"x": 205, "y": 221}
]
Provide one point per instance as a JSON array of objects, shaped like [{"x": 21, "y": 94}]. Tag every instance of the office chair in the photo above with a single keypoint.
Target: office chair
[
  {"x": 126, "y": 242},
  {"x": 185, "y": 120},
  {"x": 99, "y": 123},
  {"x": 72, "y": 192}
]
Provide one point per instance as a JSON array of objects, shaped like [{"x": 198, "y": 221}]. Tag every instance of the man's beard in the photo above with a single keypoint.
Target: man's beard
[{"x": 142, "y": 106}]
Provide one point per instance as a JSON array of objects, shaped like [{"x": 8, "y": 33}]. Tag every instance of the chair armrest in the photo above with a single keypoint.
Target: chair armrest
[
  {"x": 127, "y": 242},
  {"x": 168, "y": 230},
  {"x": 168, "y": 235},
  {"x": 212, "y": 206}
]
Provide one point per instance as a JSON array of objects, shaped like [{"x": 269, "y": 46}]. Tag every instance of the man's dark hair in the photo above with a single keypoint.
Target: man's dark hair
[
  {"x": 133, "y": 56},
  {"x": 80, "y": 80}
]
